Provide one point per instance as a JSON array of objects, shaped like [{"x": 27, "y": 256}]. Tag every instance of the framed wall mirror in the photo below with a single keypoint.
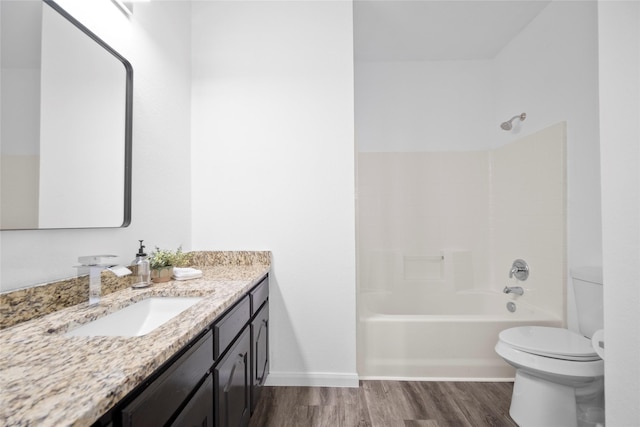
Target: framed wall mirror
[{"x": 65, "y": 122}]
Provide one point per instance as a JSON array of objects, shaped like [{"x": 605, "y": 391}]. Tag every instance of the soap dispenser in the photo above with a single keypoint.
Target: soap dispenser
[{"x": 142, "y": 268}]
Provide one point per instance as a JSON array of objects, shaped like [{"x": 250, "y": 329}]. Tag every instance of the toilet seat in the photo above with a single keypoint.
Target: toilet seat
[
  {"x": 532, "y": 347},
  {"x": 548, "y": 365},
  {"x": 550, "y": 342}
]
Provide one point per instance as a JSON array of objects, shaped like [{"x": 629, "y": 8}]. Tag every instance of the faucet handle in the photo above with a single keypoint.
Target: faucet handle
[
  {"x": 119, "y": 270},
  {"x": 520, "y": 269}
]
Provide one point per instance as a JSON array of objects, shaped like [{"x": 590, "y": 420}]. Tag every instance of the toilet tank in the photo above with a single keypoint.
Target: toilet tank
[{"x": 587, "y": 288}]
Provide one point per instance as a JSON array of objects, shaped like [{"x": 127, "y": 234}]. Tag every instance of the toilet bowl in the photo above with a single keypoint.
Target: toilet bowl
[{"x": 559, "y": 378}]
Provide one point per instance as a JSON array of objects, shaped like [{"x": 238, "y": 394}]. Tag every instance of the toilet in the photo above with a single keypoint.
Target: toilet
[{"x": 559, "y": 376}]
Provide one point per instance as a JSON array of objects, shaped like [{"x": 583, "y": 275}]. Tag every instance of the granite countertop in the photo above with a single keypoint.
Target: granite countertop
[{"x": 49, "y": 379}]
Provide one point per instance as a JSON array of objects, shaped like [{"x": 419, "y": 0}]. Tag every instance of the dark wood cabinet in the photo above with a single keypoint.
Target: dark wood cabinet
[
  {"x": 159, "y": 401},
  {"x": 259, "y": 295},
  {"x": 259, "y": 353},
  {"x": 232, "y": 382},
  {"x": 229, "y": 325},
  {"x": 199, "y": 410},
  {"x": 214, "y": 381}
]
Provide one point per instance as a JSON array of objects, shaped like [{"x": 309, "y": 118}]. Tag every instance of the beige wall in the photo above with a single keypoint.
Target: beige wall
[
  {"x": 414, "y": 208},
  {"x": 528, "y": 211}
]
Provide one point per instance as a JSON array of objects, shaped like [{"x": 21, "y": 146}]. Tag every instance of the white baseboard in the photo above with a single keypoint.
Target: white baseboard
[
  {"x": 437, "y": 379},
  {"x": 312, "y": 379}
]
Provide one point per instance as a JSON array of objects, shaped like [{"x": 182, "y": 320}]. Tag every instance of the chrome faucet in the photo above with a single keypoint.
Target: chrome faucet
[
  {"x": 95, "y": 276},
  {"x": 96, "y": 265},
  {"x": 513, "y": 290}
]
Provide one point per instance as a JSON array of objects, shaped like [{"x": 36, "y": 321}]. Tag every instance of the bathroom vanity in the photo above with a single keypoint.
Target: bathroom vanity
[
  {"x": 206, "y": 366},
  {"x": 214, "y": 380}
]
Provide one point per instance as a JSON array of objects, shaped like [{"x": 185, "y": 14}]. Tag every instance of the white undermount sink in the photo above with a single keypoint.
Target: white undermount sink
[{"x": 137, "y": 319}]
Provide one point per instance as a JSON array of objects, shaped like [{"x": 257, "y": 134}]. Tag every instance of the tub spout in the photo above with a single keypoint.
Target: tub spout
[{"x": 513, "y": 290}]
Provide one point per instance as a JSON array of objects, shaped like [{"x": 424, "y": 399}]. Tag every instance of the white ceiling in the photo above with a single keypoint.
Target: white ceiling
[{"x": 400, "y": 30}]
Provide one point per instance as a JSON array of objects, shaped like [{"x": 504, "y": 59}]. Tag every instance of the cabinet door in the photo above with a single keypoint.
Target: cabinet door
[
  {"x": 199, "y": 410},
  {"x": 156, "y": 404},
  {"x": 232, "y": 378},
  {"x": 260, "y": 353}
]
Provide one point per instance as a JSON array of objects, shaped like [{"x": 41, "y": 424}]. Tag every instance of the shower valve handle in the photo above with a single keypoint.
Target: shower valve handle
[{"x": 519, "y": 269}]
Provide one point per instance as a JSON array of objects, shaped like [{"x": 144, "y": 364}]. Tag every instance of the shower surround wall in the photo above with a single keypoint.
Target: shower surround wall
[
  {"x": 528, "y": 215},
  {"x": 447, "y": 225},
  {"x": 421, "y": 213},
  {"x": 415, "y": 208}
]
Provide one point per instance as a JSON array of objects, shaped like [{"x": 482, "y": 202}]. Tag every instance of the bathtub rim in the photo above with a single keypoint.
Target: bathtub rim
[{"x": 365, "y": 314}]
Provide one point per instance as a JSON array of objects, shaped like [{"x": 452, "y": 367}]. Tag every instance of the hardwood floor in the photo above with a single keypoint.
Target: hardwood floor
[{"x": 387, "y": 404}]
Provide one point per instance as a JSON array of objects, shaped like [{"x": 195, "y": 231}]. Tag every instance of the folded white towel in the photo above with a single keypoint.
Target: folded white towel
[{"x": 186, "y": 273}]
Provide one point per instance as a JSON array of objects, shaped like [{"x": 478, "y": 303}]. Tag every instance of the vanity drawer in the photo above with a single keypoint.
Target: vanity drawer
[
  {"x": 230, "y": 325},
  {"x": 158, "y": 402},
  {"x": 259, "y": 295}
]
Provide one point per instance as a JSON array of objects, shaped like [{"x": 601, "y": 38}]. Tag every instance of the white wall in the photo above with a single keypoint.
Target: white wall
[
  {"x": 550, "y": 71},
  {"x": 273, "y": 168},
  {"x": 157, "y": 43},
  {"x": 619, "y": 37},
  {"x": 419, "y": 106}
]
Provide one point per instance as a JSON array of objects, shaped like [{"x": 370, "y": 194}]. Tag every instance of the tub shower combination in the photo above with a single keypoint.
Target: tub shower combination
[
  {"x": 447, "y": 335},
  {"x": 438, "y": 233}
]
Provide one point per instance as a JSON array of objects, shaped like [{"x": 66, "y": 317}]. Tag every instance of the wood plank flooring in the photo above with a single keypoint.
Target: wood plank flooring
[{"x": 387, "y": 404}]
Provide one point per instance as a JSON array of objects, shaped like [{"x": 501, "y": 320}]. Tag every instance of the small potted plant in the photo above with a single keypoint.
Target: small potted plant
[{"x": 162, "y": 262}]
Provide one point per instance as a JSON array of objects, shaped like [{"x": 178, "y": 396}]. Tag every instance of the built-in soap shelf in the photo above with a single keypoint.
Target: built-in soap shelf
[
  {"x": 423, "y": 267},
  {"x": 451, "y": 269}
]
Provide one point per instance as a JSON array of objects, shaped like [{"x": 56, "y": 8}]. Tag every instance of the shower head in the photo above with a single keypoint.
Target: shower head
[{"x": 508, "y": 125}]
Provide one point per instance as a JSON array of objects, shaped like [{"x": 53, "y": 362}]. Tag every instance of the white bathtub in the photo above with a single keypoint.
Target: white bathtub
[{"x": 439, "y": 337}]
